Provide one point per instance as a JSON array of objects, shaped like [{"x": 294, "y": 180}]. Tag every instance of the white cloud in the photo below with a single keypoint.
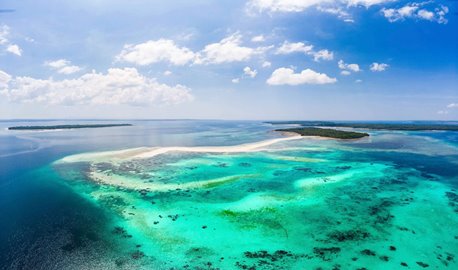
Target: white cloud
[
  {"x": 236, "y": 80},
  {"x": 293, "y": 47},
  {"x": 337, "y": 11},
  {"x": 366, "y": 3},
  {"x": 286, "y": 76},
  {"x": 440, "y": 14},
  {"x": 5, "y": 78},
  {"x": 266, "y": 64},
  {"x": 348, "y": 67},
  {"x": 250, "y": 72},
  {"x": 57, "y": 63},
  {"x": 117, "y": 86},
  {"x": 358, "y": 81},
  {"x": 378, "y": 67},
  {"x": 5, "y": 42},
  {"x": 302, "y": 5},
  {"x": 259, "y": 38},
  {"x": 342, "y": 8},
  {"x": 447, "y": 109},
  {"x": 154, "y": 51},
  {"x": 283, "y": 5},
  {"x": 425, "y": 14},
  {"x": 4, "y": 33},
  {"x": 14, "y": 49},
  {"x": 397, "y": 14},
  {"x": 69, "y": 70},
  {"x": 228, "y": 50},
  {"x": 416, "y": 11},
  {"x": 62, "y": 66},
  {"x": 167, "y": 73},
  {"x": 322, "y": 55},
  {"x": 345, "y": 72}
]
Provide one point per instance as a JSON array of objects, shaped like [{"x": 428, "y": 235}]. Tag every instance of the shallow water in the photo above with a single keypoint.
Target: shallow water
[{"x": 387, "y": 202}]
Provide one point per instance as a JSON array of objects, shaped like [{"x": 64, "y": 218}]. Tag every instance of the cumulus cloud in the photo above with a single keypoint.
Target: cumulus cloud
[
  {"x": 228, "y": 50},
  {"x": 416, "y": 11},
  {"x": 348, "y": 68},
  {"x": 287, "y": 76},
  {"x": 452, "y": 105},
  {"x": 235, "y": 80},
  {"x": 300, "y": 47},
  {"x": 5, "y": 42},
  {"x": 117, "y": 86},
  {"x": 293, "y": 47},
  {"x": 250, "y": 72},
  {"x": 167, "y": 73},
  {"x": 62, "y": 66},
  {"x": 154, "y": 51},
  {"x": 322, "y": 55},
  {"x": 377, "y": 67}
]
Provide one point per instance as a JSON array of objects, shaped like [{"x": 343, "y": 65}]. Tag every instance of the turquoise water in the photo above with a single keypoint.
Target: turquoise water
[{"x": 387, "y": 202}]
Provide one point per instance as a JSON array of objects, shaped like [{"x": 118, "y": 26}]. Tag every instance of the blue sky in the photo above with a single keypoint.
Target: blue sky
[{"x": 255, "y": 59}]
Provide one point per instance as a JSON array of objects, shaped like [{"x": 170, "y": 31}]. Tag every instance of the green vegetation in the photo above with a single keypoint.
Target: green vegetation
[
  {"x": 325, "y": 132},
  {"x": 66, "y": 126},
  {"x": 386, "y": 126}
]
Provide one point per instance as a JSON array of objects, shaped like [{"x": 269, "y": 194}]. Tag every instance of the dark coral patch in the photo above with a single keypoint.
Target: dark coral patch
[
  {"x": 368, "y": 252},
  {"x": 422, "y": 264},
  {"x": 350, "y": 235},
  {"x": 325, "y": 253}
]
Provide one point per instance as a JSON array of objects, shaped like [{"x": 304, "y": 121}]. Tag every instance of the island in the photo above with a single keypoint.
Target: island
[
  {"x": 67, "y": 126},
  {"x": 325, "y": 132},
  {"x": 375, "y": 126}
]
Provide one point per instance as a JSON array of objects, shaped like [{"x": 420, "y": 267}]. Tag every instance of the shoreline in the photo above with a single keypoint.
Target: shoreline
[{"x": 216, "y": 149}]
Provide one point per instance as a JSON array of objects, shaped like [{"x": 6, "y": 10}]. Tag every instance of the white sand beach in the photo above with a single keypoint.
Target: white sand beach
[{"x": 149, "y": 152}]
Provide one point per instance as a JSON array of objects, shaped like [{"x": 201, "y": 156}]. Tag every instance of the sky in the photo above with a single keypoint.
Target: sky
[{"x": 229, "y": 59}]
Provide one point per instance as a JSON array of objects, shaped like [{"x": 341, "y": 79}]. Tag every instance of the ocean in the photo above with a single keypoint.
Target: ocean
[{"x": 85, "y": 199}]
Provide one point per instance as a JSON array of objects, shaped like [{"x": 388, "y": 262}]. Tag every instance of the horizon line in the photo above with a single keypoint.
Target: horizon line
[{"x": 214, "y": 119}]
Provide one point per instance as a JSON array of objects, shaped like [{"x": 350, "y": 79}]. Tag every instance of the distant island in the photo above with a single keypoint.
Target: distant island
[
  {"x": 66, "y": 126},
  {"x": 325, "y": 132},
  {"x": 377, "y": 126}
]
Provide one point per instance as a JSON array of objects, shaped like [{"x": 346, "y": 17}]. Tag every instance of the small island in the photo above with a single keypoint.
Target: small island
[
  {"x": 325, "y": 132},
  {"x": 66, "y": 126},
  {"x": 418, "y": 126}
]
